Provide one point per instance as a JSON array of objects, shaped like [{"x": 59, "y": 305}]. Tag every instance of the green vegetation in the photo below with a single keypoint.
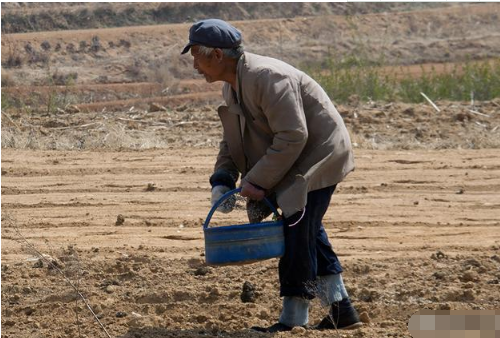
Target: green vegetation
[{"x": 343, "y": 77}]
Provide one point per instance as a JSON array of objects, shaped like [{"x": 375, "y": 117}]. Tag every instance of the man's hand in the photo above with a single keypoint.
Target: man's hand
[
  {"x": 228, "y": 205},
  {"x": 251, "y": 191}
]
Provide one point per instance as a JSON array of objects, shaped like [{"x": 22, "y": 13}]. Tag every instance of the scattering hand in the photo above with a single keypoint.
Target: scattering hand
[
  {"x": 228, "y": 205},
  {"x": 251, "y": 191}
]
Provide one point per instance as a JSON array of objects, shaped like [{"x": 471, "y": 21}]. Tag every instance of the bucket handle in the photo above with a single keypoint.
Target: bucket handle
[{"x": 228, "y": 194}]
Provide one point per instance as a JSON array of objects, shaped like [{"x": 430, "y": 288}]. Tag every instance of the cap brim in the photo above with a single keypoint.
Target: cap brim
[{"x": 187, "y": 48}]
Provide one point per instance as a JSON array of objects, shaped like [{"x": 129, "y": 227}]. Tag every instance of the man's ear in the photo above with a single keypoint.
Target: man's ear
[{"x": 218, "y": 54}]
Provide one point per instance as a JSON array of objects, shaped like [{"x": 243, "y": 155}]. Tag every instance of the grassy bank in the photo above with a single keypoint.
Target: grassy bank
[{"x": 344, "y": 77}]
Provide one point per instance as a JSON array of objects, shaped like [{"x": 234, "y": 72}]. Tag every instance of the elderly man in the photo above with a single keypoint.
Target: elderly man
[{"x": 286, "y": 139}]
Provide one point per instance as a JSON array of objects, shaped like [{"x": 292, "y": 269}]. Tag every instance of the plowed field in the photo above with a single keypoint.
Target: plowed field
[
  {"x": 389, "y": 222},
  {"x": 106, "y": 175}
]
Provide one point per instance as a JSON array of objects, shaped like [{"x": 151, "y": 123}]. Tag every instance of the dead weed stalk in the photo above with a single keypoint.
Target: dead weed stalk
[{"x": 34, "y": 251}]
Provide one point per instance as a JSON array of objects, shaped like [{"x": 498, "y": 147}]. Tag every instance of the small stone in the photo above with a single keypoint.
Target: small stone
[
  {"x": 364, "y": 317},
  {"x": 264, "y": 314},
  {"x": 202, "y": 271},
  {"x": 154, "y": 107},
  {"x": 214, "y": 292},
  {"x": 38, "y": 264},
  {"x": 97, "y": 309},
  {"x": 438, "y": 255},
  {"x": 368, "y": 295},
  {"x": 120, "y": 220},
  {"x": 160, "y": 309},
  {"x": 121, "y": 314},
  {"x": 472, "y": 263},
  {"x": 439, "y": 275},
  {"x": 468, "y": 295},
  {"x": 460, "y": 191},
  {"x": 445, "y": 306},
  {"x": 137, "y": 321},
  {"x": 248, "y": 293},
  {"x": 386, "y": 324},
  {"x": 469, "y": 276},
  {"x": 468, "y": 285},
  {"x": 29, "y": 311},
  {"x": 110, "y": 289},
  {"x": 298, "y": 330},
  {"x": 460, "y": 296}
]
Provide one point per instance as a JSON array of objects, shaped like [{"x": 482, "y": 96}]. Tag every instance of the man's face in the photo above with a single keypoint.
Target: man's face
[{"x": 209, "y": 66}]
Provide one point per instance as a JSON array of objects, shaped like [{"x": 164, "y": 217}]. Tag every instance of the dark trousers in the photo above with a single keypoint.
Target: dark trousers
[{"x": 308, "y": 253}]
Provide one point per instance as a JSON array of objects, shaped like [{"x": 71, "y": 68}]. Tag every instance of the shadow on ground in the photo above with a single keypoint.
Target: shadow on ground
[{"x": 153, "y": 332}]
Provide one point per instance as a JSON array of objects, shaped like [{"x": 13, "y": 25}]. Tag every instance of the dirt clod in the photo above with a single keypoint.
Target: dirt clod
[
  {"x": 365, "y": 317},
  {"x": 155, "y": 107},
  {"x": 438, "y": 255},
  {"x": 368, "y": 295},
  {"x": 110, "y": 289},
  {"x": 29, "y": 311},
  {"x": 38, "y": 264},
  {"x": 202, "y": 271},
  {"x": 439, "y": 275},
  {"x": 298, "y": 330},
  {"x": 248, "y": 293},
  {"x": 120, "y": 219},
  {"x": 469, "y": 276}
]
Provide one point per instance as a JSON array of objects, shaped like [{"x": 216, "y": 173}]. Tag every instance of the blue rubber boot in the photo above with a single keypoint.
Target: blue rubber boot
[{"x": 295, "y": 313}]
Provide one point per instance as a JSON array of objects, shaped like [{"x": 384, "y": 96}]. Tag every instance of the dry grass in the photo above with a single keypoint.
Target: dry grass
[
  {"x": 107, "y": 136},
  {"x": 7, "y": 79},
  {"x": 115, "y": 136},
  {"x": 471, "y": 141},
  {"x": 50, "y": 122},
  {"x": 164, "y": 69}
]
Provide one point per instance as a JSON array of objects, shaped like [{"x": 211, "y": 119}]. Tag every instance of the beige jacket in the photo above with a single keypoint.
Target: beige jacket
[{"x": 282, "y": 132}]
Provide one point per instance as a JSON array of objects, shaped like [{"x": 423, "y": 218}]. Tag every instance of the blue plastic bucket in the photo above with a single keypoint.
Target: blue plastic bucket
[{"x": 245, "y": 243}]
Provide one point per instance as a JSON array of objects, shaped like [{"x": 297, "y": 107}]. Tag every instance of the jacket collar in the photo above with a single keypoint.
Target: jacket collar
[{"x": 234, "y": 106}]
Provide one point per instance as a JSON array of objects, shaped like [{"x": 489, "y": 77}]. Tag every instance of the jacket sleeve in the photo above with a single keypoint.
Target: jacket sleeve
[
  {"x": 225, "y": 171},
  {"x": 281, "y": 102}
]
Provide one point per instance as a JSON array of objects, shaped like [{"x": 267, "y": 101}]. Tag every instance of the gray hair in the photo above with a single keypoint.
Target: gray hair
[{"x": 232, "y": 53}]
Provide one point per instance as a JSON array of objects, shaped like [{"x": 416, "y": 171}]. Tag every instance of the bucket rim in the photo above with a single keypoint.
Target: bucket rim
[
  {"x": 227, "y": 195},
  {"x": 267, "y": 224}
]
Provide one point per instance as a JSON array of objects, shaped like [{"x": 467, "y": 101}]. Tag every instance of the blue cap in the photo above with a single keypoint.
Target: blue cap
[{"x": 213, "y": 33}]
